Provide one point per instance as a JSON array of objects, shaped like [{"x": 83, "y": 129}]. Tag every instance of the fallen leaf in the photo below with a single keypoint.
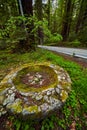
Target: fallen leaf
[{"x": 73, "y": 126}]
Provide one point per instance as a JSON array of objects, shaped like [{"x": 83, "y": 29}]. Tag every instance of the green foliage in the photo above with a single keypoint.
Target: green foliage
[
  {"x": 48, "y": 37},
  {"x": 41, "y": 24},
  {"x": 21, "y": 124},
  {"x": 14, "y": 29},
  {"x": 75, "y": 43},
  {"x": 72, "y": 36},
  {"x": 13, "y": 32},
  {"x": 54, "y": 38},
  {"x": 72, "y": 43},
  {"x": 82, "y": 36},
  {"x": 47, "y": 124},
  {"x": 3, "y": 44}
]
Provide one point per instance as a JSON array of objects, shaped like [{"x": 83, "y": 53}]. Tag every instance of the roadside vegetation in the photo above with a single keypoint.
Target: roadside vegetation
[{"x": 73, "y": 115}]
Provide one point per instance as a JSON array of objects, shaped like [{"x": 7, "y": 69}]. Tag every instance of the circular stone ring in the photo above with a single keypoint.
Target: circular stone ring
[{"x": 34, "y": 90}]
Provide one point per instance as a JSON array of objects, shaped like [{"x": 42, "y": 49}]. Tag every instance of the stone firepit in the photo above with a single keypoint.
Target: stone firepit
[{"x": 34, "y": 90}]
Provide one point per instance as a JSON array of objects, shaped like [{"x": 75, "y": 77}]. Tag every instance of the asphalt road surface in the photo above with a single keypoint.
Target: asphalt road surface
[{"x": 80, "y": 53}]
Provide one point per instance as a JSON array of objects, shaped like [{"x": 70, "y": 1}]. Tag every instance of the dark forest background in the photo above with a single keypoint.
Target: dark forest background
[{"x": 26, "y": 23}]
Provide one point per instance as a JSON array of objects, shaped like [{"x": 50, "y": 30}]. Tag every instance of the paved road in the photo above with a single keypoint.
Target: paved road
[{"x": 81, "y": 53}]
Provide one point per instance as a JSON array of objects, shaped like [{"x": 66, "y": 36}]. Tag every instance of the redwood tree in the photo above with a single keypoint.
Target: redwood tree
[
  {"x": 27, "y": 9},
  {"x": 67, "y": 18},
  {"x": 82, "y": 15},
  {"x": 48, "y": 11},
  {"x": 39, "y": 14}
]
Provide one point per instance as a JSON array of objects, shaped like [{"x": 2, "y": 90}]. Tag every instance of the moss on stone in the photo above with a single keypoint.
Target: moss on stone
[
  {"x": 23, "y": 88},
  {"x": 16, "y": 107},
  {"x": 31, "y": 109},
  {"x": 64, "y": 95},
  {"x": 66, "y": 86},
  {"x": 4, "y": 86},
  {"x": 35, "y": 68}
]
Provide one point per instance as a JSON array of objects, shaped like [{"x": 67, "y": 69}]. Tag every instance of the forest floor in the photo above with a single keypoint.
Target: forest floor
[{"x": 74, "y": 113}]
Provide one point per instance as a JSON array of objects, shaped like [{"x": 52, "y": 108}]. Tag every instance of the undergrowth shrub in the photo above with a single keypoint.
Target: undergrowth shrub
[
  {"x": 53, "y": 39},
  {"x": 75, "y": 43}
]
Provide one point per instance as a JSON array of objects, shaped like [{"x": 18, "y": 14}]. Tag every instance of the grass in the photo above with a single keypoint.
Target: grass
[{"x": 73, "y": 114}]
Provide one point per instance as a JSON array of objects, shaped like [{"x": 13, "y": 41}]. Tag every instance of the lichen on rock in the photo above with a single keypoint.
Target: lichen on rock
[
  {"x": 33, "y": 90},
  {"x": 15, "y": 107}
]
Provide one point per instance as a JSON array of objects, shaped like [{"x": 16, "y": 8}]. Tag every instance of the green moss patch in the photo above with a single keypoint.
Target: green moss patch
[{"x": 53, "y": 80}]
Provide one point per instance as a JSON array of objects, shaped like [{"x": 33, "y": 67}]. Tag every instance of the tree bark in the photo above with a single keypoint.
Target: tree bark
[
  {"x": 81, "y": 17},
  {"x": 67, "y": 18},
  {"x": 27, "y": 12},
  {"x": 39, "y": 14},
  {"x": 48, "y": 11},
  {"x": 38, "y": 5},
  {"x": 27, "y": 7}
]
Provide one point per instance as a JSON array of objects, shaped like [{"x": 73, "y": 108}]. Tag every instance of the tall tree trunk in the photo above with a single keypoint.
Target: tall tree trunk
[
  {"x": 81, "y": 25},
  {"x": 39, "y": 14},
  {"x": 26, "y": 9},
  {"x": 38, "y": 5},
  {"x": 80, "y": 18},
  {"x": 48, "y": 11},
  {"x": 67, "y": 18}
]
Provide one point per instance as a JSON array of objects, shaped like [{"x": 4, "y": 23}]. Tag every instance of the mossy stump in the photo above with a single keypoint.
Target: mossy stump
[{"x": 34, "y": 90}]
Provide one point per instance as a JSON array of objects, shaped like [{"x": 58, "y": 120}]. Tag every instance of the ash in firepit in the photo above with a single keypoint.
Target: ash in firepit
[{"x": 37, "y": 79}]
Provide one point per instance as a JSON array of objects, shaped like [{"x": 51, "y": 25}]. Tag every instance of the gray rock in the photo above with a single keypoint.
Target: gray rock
[
  {"x": 53, "y": 92},
  {"x": 4, "y": 112},
  {"x": 12, "y": 95},
  {"x": 6, "y": 101},
  {"x": 63, "y": 78},
  {"x": 10, "y": 91},
  {"x": 25, "y": 112},
  {"x": 41, "y": 82},
  {"x": 44, "y": 107},
  {"x": 48, "y": 93},
  {"x": 46, "y": 98},
  {"x": 59, "y": 77},
  {"x": 55, "y": 102},
  {"x": 25, "y": 99},
  {"x": 33, "y": 82},
  {"x": 39, "y": 97},
  {"x": 13, "y": 88},
  {"x": 56, "y": 71},
  {"x": 60, "y": 87},
  {"x": 34, "y": 95},
  {"x": 39, "y": 76},
  {"x": 36, "y": 79},
  {"x": 9, "y": 99},
  {"x": 26, "y": 94},
  {"x": 10, "y": 81},
  {"x": 58, "y": 90}
]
